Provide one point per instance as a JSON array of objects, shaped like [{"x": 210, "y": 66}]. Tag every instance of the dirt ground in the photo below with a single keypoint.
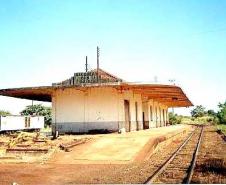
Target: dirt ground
[
  {"x": 136, "y": 172},
  {"x": 211, "y": 162},
  {"x": 52, "y": 173},
  {"x": 93, "y": 149},
  {"x": 133, "y": 172}
]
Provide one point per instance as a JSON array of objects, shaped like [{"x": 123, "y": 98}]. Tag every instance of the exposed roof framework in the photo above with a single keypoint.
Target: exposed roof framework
[{"x": 169, "y": 95}]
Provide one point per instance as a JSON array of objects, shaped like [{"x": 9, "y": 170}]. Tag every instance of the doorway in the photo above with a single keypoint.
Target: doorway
[
  {"x": 163, "y": 117},
  {"x": 136, "y": 114},
  {"x": 156, "y": 116},
  {"x": 143, "y": 116},
  {"x": 127, "y": 115}
]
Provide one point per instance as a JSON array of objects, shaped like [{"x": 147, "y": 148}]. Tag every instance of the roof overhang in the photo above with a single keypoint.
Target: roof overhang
[
  {"x": 30, "y": 93},
  {"x": 169, "y": 95}
]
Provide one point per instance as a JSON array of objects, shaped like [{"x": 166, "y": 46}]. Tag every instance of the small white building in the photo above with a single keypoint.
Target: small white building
[
  {"x": 97, "y": 100},
  {"x": 12, "y": 123}
]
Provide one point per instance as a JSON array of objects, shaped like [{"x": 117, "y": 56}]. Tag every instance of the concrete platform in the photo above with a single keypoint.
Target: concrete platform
[{"x": 119, "y": 148}]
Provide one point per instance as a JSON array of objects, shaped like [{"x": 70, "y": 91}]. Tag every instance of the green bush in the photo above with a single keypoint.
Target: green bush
[
  {"x": 216, "y": 120},
  {"x": 222, "y": 127},
  {"x": 198, "y": 111},
  {"x": 222, "y": 113},
  {"x": 174, "y": 119},
  {"x": 39, "y": 110},
  {"x": 4, "y": 113},
  {"x": 210, "y": 119},
  {"x": 186, "y": 120}
]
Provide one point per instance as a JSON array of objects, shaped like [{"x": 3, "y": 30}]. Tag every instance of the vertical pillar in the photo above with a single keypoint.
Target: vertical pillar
[{"x": 167, "y": 116}]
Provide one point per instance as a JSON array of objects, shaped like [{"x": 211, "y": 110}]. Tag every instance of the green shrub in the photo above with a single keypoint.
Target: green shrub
[
  {"x": 222, "y": 128},
  {"x": 174, "y": 119},
  {"x": 198, "y": 111},
  {"x": 4, "y": 113},
  {"x": 210, "y": 119},
  {"x": 222, "y": 113},
  {"x": 39, "y": 110}
]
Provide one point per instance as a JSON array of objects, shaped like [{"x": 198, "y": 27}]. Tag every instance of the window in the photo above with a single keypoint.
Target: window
[{"x": 27, "y": 122}]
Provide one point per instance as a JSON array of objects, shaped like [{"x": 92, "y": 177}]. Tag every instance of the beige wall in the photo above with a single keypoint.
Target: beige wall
[
  {"x": 93, "y": 108},
  {"x": 155, "y": 119},
  {"x": 101, "y": 108},
  {"x": 132, "y": 98}
]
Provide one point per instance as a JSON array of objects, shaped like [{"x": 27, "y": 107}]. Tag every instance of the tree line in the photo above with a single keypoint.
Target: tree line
[
  {"x": 218, "y": 117},
  {"x": 200, "y": 114}
]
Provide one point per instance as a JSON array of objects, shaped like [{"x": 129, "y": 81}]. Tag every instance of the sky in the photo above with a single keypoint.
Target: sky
[{"x": 46, "y": 41}]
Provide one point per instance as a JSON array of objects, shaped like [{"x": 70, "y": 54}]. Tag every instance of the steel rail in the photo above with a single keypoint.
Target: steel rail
[
  {"x": 165, "y": 164},
  {"x": 192, "y": 167}
]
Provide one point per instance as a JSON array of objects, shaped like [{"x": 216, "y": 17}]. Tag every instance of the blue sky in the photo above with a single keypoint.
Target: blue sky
[{"x": 46, "y": 41}]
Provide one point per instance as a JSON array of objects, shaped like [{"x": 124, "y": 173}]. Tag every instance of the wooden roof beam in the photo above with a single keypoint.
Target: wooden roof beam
[{"x": 158, "y": 91}]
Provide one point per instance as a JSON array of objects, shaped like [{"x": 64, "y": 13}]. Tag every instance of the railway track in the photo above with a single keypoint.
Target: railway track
[{"x": 179, "y": 167}]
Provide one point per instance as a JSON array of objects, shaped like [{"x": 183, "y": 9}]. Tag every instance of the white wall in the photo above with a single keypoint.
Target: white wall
[
  {"x": 157, "y": 113},
  {"x": 132, "y": 98},
  {"x": 102, "y": 108},
  {"x": 37, "y": 122},
  {"x": 18, "y": 122},
  {"x": 89, "y": 109},
  {"x": 92, "y": 105}
]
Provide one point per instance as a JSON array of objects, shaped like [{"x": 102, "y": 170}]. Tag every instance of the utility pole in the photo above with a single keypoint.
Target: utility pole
[
  {"x": 98, "y": 55},
  {"x": 86, "y": 64}
]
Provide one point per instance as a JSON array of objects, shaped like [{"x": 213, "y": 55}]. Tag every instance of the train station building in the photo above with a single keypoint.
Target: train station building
[{"x": 98, "y": 100}]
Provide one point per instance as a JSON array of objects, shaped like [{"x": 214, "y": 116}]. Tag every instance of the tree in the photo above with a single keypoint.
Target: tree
[
  {"x": 4, "y": 113},
  {"x": 198, "y": 111},
  {"x": 221, "y": 114},
  {"x": 39, "y": 110},
  {"x": 211, "y": 113},
  {"x": 174, "y": 119}
]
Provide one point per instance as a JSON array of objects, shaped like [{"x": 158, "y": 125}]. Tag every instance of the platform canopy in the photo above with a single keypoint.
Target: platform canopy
[
  {"x": 169, "y": 95},
  {"x": 43, "y": 93}
]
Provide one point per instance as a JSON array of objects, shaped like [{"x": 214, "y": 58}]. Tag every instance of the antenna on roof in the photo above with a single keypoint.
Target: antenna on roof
[
  {"x": 172, "y": 81},
  {"x": 86, "y": 64},
  {"x": 98, "y": 55}
]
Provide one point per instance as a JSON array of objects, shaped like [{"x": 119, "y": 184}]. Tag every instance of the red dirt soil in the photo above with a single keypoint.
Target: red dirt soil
[{"x": 54, "y": 174}]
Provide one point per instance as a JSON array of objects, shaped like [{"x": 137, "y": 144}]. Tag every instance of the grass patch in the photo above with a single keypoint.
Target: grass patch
[
  {"x": 46, "y": 129},
  {"x": 222, "y": 128},
  {"x": 196, "y": 121}
]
